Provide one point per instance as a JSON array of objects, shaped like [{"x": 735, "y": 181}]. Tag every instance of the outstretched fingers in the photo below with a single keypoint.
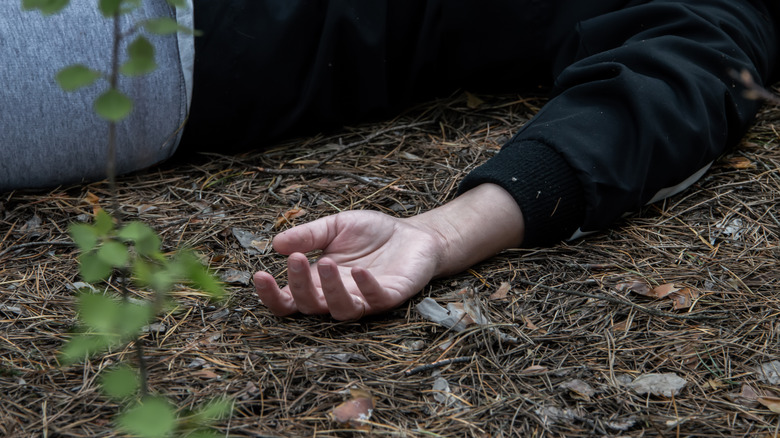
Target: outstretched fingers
[
  {"x": 342, "y": 304},
  {"x": 281, "y": 303}
]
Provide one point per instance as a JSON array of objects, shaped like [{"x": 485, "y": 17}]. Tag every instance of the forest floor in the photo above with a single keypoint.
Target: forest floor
[{"x": 556, "y": 358}]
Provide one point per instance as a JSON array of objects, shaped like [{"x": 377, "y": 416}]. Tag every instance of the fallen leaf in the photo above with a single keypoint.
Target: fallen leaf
[
  {"x": 288, "y": 216},
  {"x": 534, "y": 369},
  {"x": 681, "y": 296},
  {"x": 205, "y": 374},
  {"x": 451, "y": 317},
  {"x": 443, "y": 394},
  {"x": 237, "y": 277},
  {"x": 354, "y": 411},
  {"x": 254, "y": 243},
  {"x": 636, "y": 286},
  {"x": 664, "y": 290},
  {"x": 739, "y": 163},
  {"x": 93, "y": 201},
  {"x": 579, "y": 388},
  {"x": 666, "y": 384},
  {"x": 552, "y": 414},
  {"x": 621, "y": 326},
  {"x": 716, "y": 384},
  {"x": 771, "y": 403},
  {"x": 501, "y": 292},
  {"x": 291, "y": 188},
  {"x": 622, "y": 424},
  {"x": 459, "y": 316},
  {"x": 473, "y": 101},
  {"x": 531, "y": 325},
  {"x": 769, "y": 372},
  {"x": 747, "y": 396}
]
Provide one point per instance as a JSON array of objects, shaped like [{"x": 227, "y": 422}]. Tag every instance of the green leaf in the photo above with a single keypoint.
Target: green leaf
[
  {"x": 83, "y": 345},
  {"x": 104, "y": 223},
  {"x": 120, "y": 382},
  {"x": 85, "y": 236},
  {"x": 214, "y": 410},
  {"x": 114, "y": 253},
  {"x": 145, "y": 239},
  {"x": 99, "y": 313},
  {"x": 166, "y": 26},
  {"x": 113, "y": 105},
  {"x": 134, "y": 317},
  {"x": 92, "y": 268},
  {"x": 77, "y": 76},
  {"x": 200, "y": 276},
  {"x": 151, "y": 418},
  {"x": 141, "y": 53},
  {"x": 109, "y": 7},
  {"x": 47, "y": 7}
]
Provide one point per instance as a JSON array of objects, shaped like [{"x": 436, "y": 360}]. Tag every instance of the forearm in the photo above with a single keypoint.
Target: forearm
[{"x": 473, "y": 227}]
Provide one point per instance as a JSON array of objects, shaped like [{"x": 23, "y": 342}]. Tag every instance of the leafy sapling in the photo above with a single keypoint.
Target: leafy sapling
[{"x": 131, "y": 249}]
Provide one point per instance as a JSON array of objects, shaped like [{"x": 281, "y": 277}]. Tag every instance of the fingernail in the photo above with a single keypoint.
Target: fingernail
[
  {"x": 326, "y": 270},
  {"x": 296, "y": 265}
]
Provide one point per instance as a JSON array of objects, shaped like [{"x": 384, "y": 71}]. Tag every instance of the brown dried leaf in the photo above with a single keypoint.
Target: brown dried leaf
[
  {"x": 683, "y": 299},
  {"x": 501, "y": 292},
  {"x": 94, "y": 201},
  {"x": 739, "y": 163},
  {"x": 205, "y": 374},
  {"x": 531, "y": 325},
  {"x": 716, "y": 384},
  {"x": 289, "y": 215},
  {"x": 291, "y": 188},
  {"x": 771, "y": 403},
  {"x": 354, "y": 411},
  {"x": 534, "y": 369},
  {"x": 636, "y": 286},
  {"x": 580, "y": 388},
  {"x": 664, "y": 290},
  {"x": 621, "y": 326}
]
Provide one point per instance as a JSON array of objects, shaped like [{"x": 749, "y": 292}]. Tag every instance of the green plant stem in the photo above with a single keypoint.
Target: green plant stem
[
  {"x": 143, "y": 371},
  {"x": 114, "y": 81}
]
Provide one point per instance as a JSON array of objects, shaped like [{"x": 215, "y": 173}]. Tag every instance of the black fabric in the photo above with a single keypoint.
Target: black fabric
[
  {"x": 642, "y": 96},
  {"x": 644, "y": 99},
  {"x": 266, "y": 70}
]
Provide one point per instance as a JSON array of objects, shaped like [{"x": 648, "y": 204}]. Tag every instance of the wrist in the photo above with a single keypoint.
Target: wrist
[{"x": 472, "y": 227}]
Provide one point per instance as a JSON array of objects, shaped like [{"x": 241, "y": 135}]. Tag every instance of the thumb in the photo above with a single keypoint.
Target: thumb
[{"x": 307, "y": 237}]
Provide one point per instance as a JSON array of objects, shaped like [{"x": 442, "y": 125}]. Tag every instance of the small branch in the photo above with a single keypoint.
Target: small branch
[
  {"x": 613, "y": 300},
  {"x": 753, "y": 90},
  {"x": 439, "y": 364},
  {"x": 358, "y": 178},
  {"x": 29, "y": 244},
  {"x": 368, "y": 139}
]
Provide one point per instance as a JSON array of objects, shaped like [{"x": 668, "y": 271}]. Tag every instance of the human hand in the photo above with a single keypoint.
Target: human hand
[{"x": 370, "y": 262}]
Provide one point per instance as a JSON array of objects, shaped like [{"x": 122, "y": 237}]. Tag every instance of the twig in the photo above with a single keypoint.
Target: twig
[
  {"x": 609, "y": 299},
  {"x": 753, "y": 90},
  {"x": 358, "y": 178},
  {"x": 29, "y": 244},
  {"x": 367, "y": 139},
  {"x": 434, "y": 365}
]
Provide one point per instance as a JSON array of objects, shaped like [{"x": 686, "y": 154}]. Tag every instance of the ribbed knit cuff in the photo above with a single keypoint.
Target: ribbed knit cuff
[{"x": 545, "y": 187}]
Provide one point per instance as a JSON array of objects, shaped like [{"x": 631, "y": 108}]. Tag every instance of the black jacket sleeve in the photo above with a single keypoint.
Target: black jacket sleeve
[{"x": 643, "y": 104}]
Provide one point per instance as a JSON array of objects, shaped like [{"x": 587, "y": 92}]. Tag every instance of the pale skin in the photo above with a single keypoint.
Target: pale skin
[{"x": 372, "y": 262}]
